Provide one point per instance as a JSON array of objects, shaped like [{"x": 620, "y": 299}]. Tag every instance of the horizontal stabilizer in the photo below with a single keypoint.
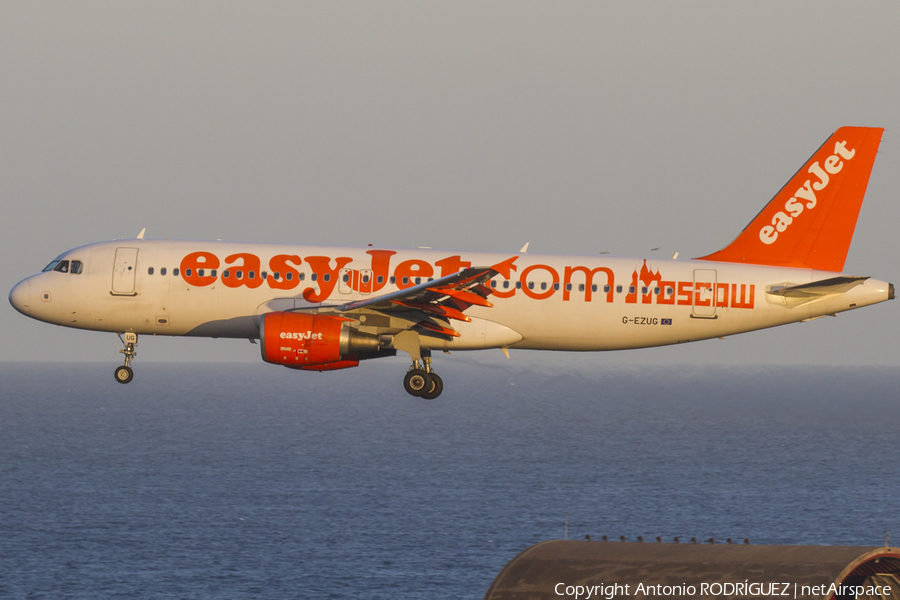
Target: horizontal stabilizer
[{"x": 818, "y": 289}]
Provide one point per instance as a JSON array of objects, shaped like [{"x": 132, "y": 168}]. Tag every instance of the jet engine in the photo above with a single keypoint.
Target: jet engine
[{"x": 313, "y": 342}]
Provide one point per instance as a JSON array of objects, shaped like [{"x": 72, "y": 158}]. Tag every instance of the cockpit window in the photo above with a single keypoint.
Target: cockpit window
[{"x": 64, "y": 266}]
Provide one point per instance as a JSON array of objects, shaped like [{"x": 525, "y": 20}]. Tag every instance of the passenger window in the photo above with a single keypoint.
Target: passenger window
[
  {"x": 62, "y": 267},
  {"x": 226, "y": 274},
  {"x": 150, "y": 271},
  {"x": 580, "y": 287},
  {"x": 418, "y": 280},
  {"x": 669, "y": 291},
  {"x": 346, "y": 277},
  {"x": 187, "y": 272},
  {"x": 630, "y": 289},
  {"x": 276, "y": 275},
  {"x": 656, "y": 291},
  {"x": 239, "y": 274},
  {"x": 200, "y": 273},
  {"x": 175, "y": 271},
  {"x": 556, "y": 286},
  {"x": 493, "y": 283},
  {"x": 594, "y": 287},
  {"x": 530, "y": 285},
  {"x": 289, "y": 276},
  {"x": 518, "y": 285},
  {"x": 263, "y": 275},
  {"x": 212, "y": 273},
  {"x": 644, "y": 290},
  {"x": 314, "y": 276},
  {"x": 405, "y": 280},
  {"x": 543, "y": 285},
  {"x": 618, "y": 289},
  {"x": 76, "y": 267},
  {"x": 162, "y": 270},
  {"x": 506, "y": 284},
  {"x": 393, "y": 280},
  {"x": 380, "y": 279},
  {"x": 365, "y": 279},
  {"x": 251, "y": 275},
  {"x": 326, "y": 277},
  {"x": 301, "y": 276},
  {"x": 606, "y": 288}
]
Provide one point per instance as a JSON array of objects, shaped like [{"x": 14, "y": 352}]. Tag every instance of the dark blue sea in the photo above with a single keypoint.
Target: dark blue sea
[{"x": 250, "y": 481}]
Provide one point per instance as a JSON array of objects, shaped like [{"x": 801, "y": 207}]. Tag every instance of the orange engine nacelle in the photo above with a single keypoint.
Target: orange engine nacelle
[{"x": 301, "y": 340}]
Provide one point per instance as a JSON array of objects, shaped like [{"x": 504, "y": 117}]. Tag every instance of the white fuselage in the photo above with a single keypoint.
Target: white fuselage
[{"x": 545, "y": 302}]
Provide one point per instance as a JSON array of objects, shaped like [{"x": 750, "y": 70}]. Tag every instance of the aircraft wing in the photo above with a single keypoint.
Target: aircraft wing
[{"x": 434, "y": 303}]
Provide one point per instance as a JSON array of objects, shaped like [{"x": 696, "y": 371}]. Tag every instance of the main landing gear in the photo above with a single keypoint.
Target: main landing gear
[
  {"x": 423, "y": 382},
  {"x": 124, "y": 373},
  {"x": 420, "y": 380}
]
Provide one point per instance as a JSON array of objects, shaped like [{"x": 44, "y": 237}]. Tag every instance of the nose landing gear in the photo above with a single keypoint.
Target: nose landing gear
[{"x": 124, "y": 373}]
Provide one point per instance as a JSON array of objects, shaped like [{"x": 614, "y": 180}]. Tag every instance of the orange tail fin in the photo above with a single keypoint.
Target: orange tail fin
[{"x": 810, "y": 222}]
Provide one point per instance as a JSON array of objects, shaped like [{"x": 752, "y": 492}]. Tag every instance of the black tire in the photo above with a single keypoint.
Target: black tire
[
  {"x": 124, "y": 374},
  {"x": 437, "y": 386},
  {"x": 416, "y": 382}
]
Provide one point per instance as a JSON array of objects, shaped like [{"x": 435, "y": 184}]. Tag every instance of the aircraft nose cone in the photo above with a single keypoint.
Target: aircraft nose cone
[{"x": 20, "y": 296}]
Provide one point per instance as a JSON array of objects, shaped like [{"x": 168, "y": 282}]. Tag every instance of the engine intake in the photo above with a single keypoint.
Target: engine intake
[{"x": 300, "y": 340}]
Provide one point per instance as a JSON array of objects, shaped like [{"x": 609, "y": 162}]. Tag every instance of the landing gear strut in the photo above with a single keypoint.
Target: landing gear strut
[
  {"x": 124, "y": 373},
  {"x": 421, "y": 381}
]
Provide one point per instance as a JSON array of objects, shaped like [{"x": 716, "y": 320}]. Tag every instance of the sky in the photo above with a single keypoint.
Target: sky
[{"x": 578, "y": 127}]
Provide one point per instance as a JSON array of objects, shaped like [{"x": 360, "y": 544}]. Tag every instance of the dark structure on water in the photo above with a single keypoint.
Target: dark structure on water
[{"x": 548, "y": 569}]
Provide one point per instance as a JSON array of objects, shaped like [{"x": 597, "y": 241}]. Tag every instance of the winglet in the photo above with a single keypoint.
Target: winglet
[
  {"x": 524, "y": 248},
  {"x": 810, "y": 222},
  {"x": 141, "y": 234}
]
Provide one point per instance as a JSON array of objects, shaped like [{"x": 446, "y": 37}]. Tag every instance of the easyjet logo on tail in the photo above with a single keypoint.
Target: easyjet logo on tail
[{"x": 805, "y": 196}]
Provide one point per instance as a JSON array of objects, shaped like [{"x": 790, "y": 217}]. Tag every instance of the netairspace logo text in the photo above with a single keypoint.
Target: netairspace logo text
[{"x": 741, "y": 588}]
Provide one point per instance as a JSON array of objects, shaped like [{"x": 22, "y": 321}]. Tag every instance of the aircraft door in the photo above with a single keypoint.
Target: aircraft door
[
  {"x": 704, "y": 294},
  {"x": 124, "y": 270},
  {"x": 350, "y": 279},
  {"x": 365, "y": 281}
]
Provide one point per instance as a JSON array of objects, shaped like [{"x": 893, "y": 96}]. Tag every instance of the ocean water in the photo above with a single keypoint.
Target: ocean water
[{"x": 250, "y": 481}]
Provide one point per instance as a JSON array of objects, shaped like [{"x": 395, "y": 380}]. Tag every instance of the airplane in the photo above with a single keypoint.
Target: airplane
[{"x": 324, "y": 308}]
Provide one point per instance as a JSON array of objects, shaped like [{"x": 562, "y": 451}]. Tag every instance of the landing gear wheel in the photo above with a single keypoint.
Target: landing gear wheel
[
  {"x": 437, "y": 386},
  {"x": 416, "y": 382},
  {"x": 124, "y": 374}
]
